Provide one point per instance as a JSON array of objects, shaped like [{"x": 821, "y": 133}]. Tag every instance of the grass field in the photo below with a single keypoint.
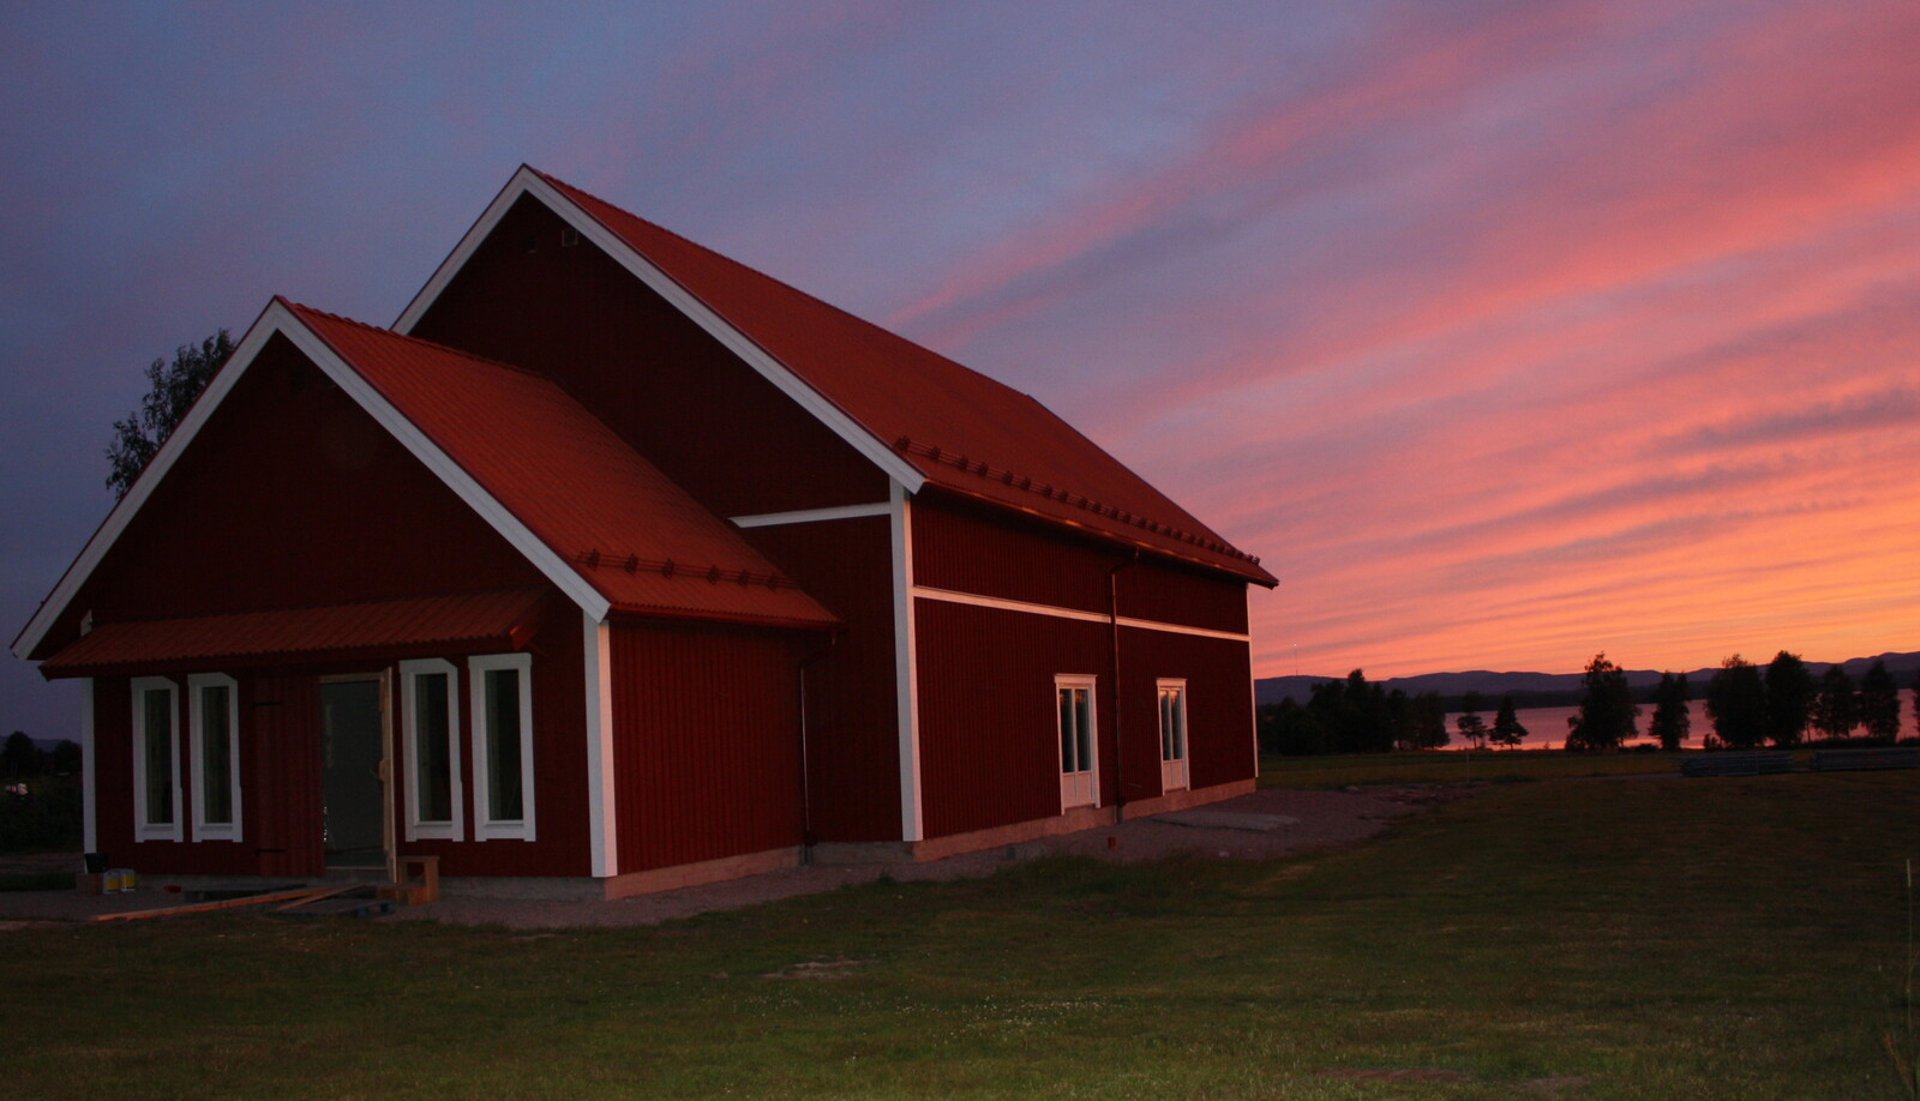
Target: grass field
[{"x": 1652, "y": 938}]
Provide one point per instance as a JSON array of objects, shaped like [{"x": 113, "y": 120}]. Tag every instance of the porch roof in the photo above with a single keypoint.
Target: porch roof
[{"x": 386, "y": 630}]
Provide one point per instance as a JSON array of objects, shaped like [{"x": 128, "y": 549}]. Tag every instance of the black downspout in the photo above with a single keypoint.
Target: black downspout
[
  {"x": 806, "y": 784},
  {"x": 1119, "y": 743}
]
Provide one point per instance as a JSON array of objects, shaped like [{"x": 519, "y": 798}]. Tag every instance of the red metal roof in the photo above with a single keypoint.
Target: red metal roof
[
  {"x": 963, "y": 431},
  {"x": 439, "y": 624},
  {"x": 628, "y": 530}
]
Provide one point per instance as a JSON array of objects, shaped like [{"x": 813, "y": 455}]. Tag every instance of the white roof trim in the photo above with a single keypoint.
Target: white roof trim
[
  {"x": 526, "y": 181},
  {"x": 276, "y": 318}
]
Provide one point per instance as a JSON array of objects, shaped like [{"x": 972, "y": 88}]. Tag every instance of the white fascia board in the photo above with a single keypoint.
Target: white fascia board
[
  {"x": 564, "y": 577},
  {"x": 813, "y": 515},
  {"x": 128, "y": 506},
  {"x": 528, "y": 182}
]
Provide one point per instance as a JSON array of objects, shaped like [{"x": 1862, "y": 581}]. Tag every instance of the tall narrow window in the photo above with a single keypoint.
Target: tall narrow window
[
  {"x": 430, "y": 745},
  {"x": 1079, "y": 765},
  {"x": 502, "y": 704},
  {"x": 1173, "y": 735},
  {"x": 213, "y": 723},
  {"x": 156, "y": 753}
]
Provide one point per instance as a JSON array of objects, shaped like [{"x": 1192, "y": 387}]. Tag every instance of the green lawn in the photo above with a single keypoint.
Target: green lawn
[{"x": 1653, "y": 938}]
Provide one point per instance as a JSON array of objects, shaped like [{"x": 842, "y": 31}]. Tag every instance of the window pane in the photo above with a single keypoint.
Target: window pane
[
  {"x": 1083, "y": 728},
  {"x": 159, "y": 754},
  {"x": 1166, "y": 725},
  {"x": 1179, "y": 724},
  {"x": 1068, "y": 744},
  {"x": 216, "y": 765},
  {"x": 503, "y": 744},
  {"x": 431, "y": 753}
]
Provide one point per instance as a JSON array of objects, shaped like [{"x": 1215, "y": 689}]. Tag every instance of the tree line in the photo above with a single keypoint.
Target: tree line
[
  {"x": 1358, "y": 716},
  {"x": 1748, "y": 706}
]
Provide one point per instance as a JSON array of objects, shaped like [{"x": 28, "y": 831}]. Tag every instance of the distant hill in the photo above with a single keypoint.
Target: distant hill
[{"x": 1544, "y": 689}]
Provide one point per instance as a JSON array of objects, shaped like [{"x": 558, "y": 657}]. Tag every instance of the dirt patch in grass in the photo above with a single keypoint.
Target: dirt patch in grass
[{"x": 839, "y": 967}]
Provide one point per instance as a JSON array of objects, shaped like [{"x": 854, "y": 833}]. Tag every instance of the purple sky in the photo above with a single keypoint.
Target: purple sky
[{"x": 1504, "y": 333}]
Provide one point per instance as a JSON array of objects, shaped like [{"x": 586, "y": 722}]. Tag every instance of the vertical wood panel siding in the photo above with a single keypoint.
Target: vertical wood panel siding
[
  {"x": 853, "y": 722},
  {"x": 961, "y": 546},
  {"x": 706, "y": 743},
  {"x": 1168, "y": 593},
  {"x": 709, "y": 421},
  {"x": 989, "y": 744},
  {"x": 368, "y": 523},
  {"x": 285, "y": 814},
  {"x": 970, "y": 549},
  {"x": 1219, "y": 707}
]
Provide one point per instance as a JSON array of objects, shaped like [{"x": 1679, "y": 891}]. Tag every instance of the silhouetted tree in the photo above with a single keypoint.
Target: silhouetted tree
[
  {"x": 173, "y": 389},
  {"x": 1471, "y": 726},
  {"x": 1354, "y": 713},
  {"x": 1737, "y": 702},
  {"x": 1672, "y": 714},
  {"x": 1880, "y": 703},
  {"x": 65, "y": 758},
  {"x": 1507, "y": 730},
  {"x": 1291, "y": 730},
  {"x": 1836, "y": 711},
  {"x": 21, "y": 757},
  {"x": 1430, "y": 721},
  {"x": 1790, "y": 691},
  {"x": 1607, "y": 714}
]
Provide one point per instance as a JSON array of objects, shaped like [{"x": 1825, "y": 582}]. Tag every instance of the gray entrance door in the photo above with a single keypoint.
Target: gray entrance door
[{"x": 351, "y": 744}]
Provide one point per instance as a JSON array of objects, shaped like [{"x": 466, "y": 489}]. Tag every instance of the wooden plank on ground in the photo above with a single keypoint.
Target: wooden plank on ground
[{"x": 300, "y": 894}]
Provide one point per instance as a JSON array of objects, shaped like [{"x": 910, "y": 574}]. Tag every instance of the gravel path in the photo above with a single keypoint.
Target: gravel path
[{"x": 1261, "y": 826}]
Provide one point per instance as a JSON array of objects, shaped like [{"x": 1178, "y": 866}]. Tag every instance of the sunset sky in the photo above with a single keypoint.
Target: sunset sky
[{"x": 1503, "y": 332}]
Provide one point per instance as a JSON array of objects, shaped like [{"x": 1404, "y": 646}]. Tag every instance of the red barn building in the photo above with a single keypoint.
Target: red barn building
[{"x": 617, "y": 565}]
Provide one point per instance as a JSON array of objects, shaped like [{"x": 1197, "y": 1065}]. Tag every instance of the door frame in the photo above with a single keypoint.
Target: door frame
[{"x": 384, "y": 678}]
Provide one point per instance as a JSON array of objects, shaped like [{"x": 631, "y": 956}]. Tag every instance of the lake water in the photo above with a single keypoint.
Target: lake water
[{"x": 1547, "y": 726}]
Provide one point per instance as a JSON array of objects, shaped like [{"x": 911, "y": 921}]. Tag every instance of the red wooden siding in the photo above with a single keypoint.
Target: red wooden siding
[
  {"x": 292, "y": 496},
  {"x": 1219, "y": 707},
  {"x": 988, "y": 737},
  {"x": 706, "y": 737},
  {"x": 280, "y": 773},
  {"x": 975, "y": 550},
  {"x": 671, "y": 391},
  {"x": 971, "y": 549},
  {"x": 852, "y": 706},
  {"x": 1166, "y": 592},
  {"x": 989, "y": 747}
]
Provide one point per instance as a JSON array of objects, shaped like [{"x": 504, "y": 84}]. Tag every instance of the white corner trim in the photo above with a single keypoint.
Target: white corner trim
[
  {"x": 1253, "y": 691},
  {"x": 197, "y": 757},
  {"x": 905, "y": 668},
  {"x": 453, "y": 829},
  {"x": 528, "y": 182},
  {"x": 277, "y": 319},
  {"x": 952, "y": 596},
  {"x": 813, "y": 515},
  {"x": 89, "y": 792},
  {"x": 603, "y": 834}
]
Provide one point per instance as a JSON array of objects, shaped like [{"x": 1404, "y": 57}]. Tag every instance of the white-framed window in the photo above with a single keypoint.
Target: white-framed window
[
  {"x": 1173, "y": 734},
  {"x": 1078, "y": 730},
  {"x": 430, "y": 749},
  {"x": 500, "y": 706},
  {"x": 156, "y": 760},
  {"x": 213, "y": 753}
]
